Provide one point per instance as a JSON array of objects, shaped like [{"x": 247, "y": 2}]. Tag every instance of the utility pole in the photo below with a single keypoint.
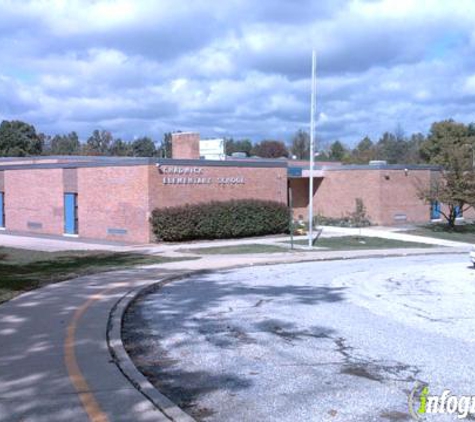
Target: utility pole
[{"x": 312, "y": 148}]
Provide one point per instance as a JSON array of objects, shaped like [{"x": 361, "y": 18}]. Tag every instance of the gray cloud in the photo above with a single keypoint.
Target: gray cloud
[{"x": 240, "y": 68}]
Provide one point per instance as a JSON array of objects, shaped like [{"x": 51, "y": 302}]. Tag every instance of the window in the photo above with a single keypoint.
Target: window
[
  {"x": 70, "y": 213},
  {"x": 2, "y": 210},
  {"x": 458, "y": 212},
  {"x": 435, "y": 210}
]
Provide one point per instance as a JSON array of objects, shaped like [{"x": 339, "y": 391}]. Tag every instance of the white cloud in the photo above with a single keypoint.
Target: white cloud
[{"x": 239, "y": 68}]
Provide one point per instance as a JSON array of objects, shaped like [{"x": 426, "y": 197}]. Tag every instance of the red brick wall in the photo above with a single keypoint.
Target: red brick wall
[
  {"x": 399, "y": 196},
  {"x": 114, "y": 198},
  {"x": 386, "y": 194},
  {"x": 121, "y": 198},
  {"x": 338, "y": 190},
  {"x": 186, "y": 146},
  {"x": 35, "y": 197},
  {"x": 259, "y": 183}
]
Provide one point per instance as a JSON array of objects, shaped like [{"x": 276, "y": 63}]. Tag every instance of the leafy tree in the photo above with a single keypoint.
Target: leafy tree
[
  {"x": 471, "y": 129},
  {"x": 45, "y": 141},
  {"x": 99, "y": 143},
  {"x": 413, "y": 151},
  {"x": 165, "y": 150},
  {"x": 391, "y": 148},
  {"x": 143, "y": 147},
  {"x": 399, "y": 133},
  {"x": 65, "y": 144},
  {"x": 270, "y": 149},
  {"x": 243, "y": 145},
  {"x": 364, "y": 152},
  {"x": 450, "y": 145},
  {"x": 337, "y": 151},
  {"x": 322, "y": 155},
  {"x": 301, "y": 145},
  {"x": 120, "y": 148},
  {"x": 442, "y": 135},
  {"x": 18, "y": 139}
]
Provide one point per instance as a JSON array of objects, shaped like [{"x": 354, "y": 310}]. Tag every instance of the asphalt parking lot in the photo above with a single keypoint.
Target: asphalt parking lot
[{"x": 337, "y": 340}]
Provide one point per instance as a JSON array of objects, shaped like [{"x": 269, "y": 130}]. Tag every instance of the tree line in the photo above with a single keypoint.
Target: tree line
[
  {"x": 393, "y": 147},
  {"x": 19, "y": 139}
]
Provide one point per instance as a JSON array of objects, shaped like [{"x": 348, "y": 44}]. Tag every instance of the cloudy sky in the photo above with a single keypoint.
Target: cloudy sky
[{"x": 236, "y": 68}]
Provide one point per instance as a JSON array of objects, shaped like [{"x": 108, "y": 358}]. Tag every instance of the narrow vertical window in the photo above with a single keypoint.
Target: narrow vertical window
[
  {"x": 2, "y": 210},
  {"x": 70, "y": 213}
]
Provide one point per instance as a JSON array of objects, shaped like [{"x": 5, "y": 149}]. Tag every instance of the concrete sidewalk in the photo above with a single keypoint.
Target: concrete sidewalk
[
  {"x": 394, "y": 235},
  {"x": 55, "y": 244},
  {"x": 55, "y": 363},
  {"x": 52, "y": 244}
]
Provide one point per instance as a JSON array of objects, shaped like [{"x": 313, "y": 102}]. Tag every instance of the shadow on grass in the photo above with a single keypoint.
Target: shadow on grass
[
  {"x": 460, "y": 232},
  {"x": 23, "y": 270},
  {"x": 237, "y": 249},
  {"x": 445, "y": 228}
]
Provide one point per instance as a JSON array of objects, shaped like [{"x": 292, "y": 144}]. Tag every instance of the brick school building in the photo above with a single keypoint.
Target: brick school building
[{"x": 111, "y": 198}]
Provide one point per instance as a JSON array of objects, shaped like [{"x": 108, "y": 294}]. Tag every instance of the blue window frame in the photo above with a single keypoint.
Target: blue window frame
[
  {"x": 2, "y": 209},
  {"x": 435, "y": 210},
  {"x": 458, "y": 212},
  {"x": 70, "y": 213}
]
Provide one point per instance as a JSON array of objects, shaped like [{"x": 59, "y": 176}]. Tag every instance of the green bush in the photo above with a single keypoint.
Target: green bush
[{"x": 220, "y": 220}]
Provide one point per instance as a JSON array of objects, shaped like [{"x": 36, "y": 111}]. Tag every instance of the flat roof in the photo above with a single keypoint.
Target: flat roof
[
  {"x": 294, "y": 169},
  {"x": 319, "y": 171},
  {"x": 54, "y": 162},
  {"x": 378, "y": 167}
]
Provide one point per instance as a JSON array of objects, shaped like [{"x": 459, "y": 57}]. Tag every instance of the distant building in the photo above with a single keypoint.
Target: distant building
[{"x": 212, "y": 149}]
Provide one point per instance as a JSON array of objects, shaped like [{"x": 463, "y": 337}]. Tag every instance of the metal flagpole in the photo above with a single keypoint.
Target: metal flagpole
[{"x": 312, "y": 146}]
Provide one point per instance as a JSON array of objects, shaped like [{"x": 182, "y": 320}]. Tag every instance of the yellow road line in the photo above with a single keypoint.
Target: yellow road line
[{"x": 89, "y": 402}]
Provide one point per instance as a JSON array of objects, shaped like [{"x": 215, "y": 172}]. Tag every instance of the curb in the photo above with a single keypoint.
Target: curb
[
  {"x": 123, "y": 361},
  {"x": 126, "y": 366}
]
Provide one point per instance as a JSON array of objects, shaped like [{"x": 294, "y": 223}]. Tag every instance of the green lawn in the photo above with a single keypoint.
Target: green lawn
[
  {"x": 461, "y": 233},
  {"x": 334, "y": 243},
  {"x": 355, "y": 242},
  {"x": 239, "y": 249},
  {"x": 22, "y": 270}
]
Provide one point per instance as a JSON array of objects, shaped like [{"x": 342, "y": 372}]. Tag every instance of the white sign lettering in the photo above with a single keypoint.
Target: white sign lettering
[
  {"x": 176, "y": 175},
  {"x": 182, "y": 170}
]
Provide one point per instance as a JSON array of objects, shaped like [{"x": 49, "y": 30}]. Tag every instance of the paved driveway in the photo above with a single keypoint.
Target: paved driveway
[{"x": 337, "y": 341}]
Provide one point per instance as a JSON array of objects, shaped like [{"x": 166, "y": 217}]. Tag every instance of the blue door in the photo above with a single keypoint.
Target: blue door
[
  {"x": 70, "y": 213},
  {"x": 435, "y": 210},
  {"x": 2, "y": 210}
]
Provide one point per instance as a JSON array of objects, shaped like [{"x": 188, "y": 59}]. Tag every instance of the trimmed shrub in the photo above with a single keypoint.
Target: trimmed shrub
[{"x": 220, "y": 220}]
